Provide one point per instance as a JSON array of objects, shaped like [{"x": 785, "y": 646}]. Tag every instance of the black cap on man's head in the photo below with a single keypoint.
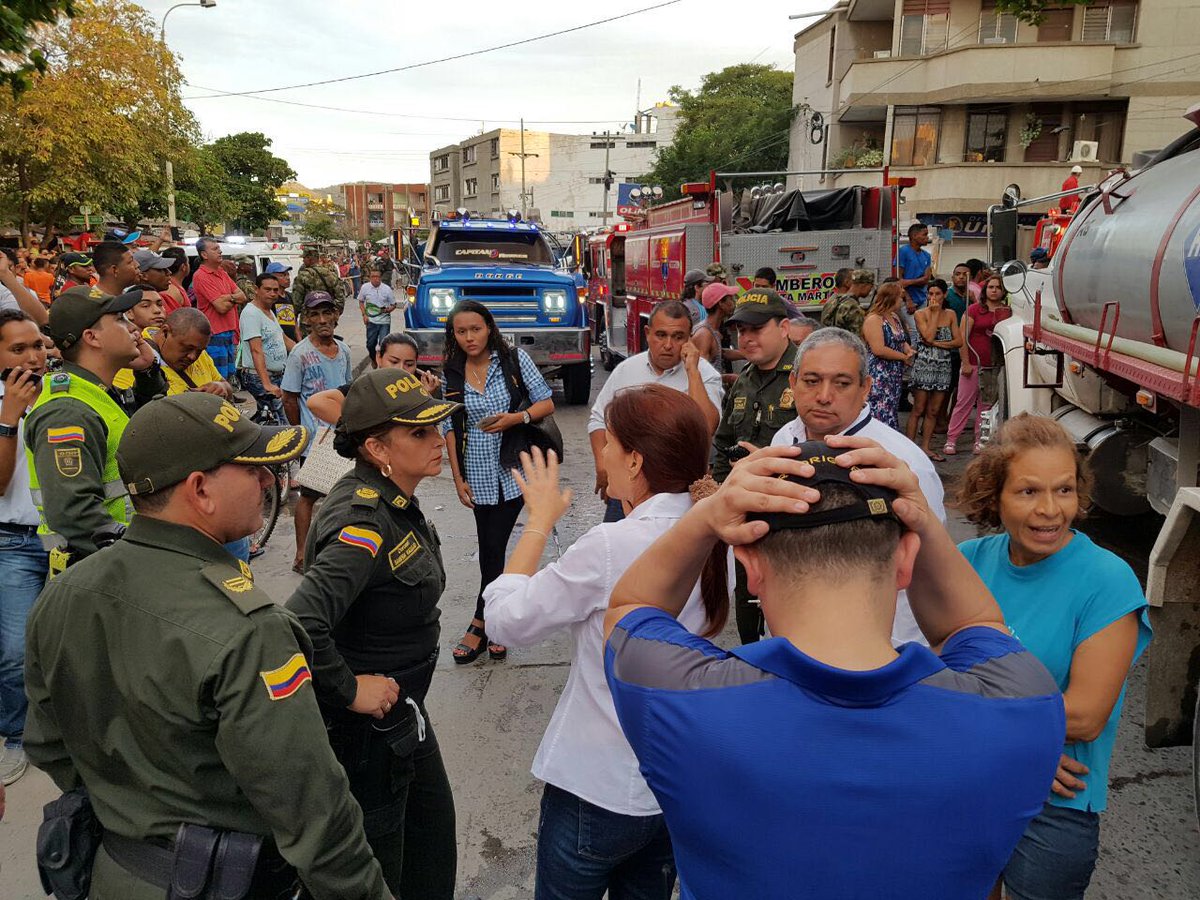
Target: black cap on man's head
[
  {"x": 169, "y": 439},
  {"x": 875, "y": 502},
  {"x": 76, "y": 259},
  {"x": 758, "y": 306},
  {"x": 391, "y": 395},
  {"x": 318, "y": 298},
  {"x": 77, "y": 309}
]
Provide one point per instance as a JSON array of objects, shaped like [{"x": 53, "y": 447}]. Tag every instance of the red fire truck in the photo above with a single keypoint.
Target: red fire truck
[{"x": 804, "y": 236}]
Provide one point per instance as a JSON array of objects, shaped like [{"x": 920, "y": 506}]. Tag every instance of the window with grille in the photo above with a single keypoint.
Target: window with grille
[
  {"x": 915, "y": 135},
  {"x": 1110, "y": 22},
  {"x": 987, "y": 133},
  {"x": 470, "y": 187},
  {"x": 636, "y": 145},
  {"x": 441, "y": 192},
  {"x": 996, "y": 27},
  {"x": 441, "y": 163},
  {"x": 469, "y": 154},
  {"x": 924, "y": 27},
  {"x": 600, "y": 145}
]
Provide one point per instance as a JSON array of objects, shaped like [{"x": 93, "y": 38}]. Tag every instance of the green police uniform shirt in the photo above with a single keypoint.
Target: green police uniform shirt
[
  {"x": 756, "y": 406},
  {"x": 171, "y": 687},
  {"x": 370, "y": 593}
]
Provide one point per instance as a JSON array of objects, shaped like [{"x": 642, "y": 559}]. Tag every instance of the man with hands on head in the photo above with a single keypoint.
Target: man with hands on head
[
  {"x": 672, "y": 360},
  {"x": 925, "y": 764}
]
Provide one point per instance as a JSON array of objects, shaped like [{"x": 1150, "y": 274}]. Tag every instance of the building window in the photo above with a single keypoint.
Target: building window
[
  {"x": 562, "y": 213},
  {"x": 1056, "y": 26},
  {"x": 600, "y": 145},
  {"x": 915, "y": 135},
  {"x": 468, "y": 155},
  {"x": 636, "y": 145},
  {"x": 832, "y": 42},
  {"x": 924, "y": 27},
  {"x": 495, "y": 147},
  {"x": 470, "y": 187},
  {"x": 596, "y": 179},
  {"x": 987, "y": 131},
  {"x": 1044, "y": 147},
  {"x": 596, "y": 215},
  {"x": 441, "y": 193},
  {"x": 495, "y": 182},
  {"x": 1110, "y": 22},
  {"x": 1103, "y": 123},
  {"x": 441, "y": 163},
  {"x": 996, "y": 27}
]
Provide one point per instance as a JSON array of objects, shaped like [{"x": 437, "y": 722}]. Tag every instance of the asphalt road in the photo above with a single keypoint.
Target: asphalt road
[{"x": 490, "y": 718}]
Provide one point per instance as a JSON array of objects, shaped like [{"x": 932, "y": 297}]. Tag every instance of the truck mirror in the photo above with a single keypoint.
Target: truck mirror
[
  {"x": 1012, "y": 196},
  {"x": 1012, "y": 273}
]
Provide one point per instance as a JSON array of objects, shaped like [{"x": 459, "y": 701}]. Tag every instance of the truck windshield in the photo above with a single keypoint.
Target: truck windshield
[{"x": 487, "y": 249}]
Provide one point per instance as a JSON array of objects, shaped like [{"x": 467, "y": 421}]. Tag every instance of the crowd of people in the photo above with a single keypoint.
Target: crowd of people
[{"x": 293, "y": 744}]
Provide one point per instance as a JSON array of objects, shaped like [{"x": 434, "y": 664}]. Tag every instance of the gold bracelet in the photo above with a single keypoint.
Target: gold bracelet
[{"x": 529, "y": 530}]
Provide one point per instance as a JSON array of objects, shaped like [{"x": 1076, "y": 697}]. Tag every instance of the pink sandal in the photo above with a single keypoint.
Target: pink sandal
[{"x": 950, "y": 449}]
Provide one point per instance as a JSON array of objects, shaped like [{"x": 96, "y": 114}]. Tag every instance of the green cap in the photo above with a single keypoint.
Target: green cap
[
  {"x": 391, "y": 395},
  {"x": 169, "y": 439},
  {"x": 76, "y": 310},
  {"x": 758, "y": 306},
  {"x": 862, "y": 276}
]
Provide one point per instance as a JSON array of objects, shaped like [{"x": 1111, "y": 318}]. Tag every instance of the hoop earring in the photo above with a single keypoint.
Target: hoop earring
[{"x": 386, "y": 470}]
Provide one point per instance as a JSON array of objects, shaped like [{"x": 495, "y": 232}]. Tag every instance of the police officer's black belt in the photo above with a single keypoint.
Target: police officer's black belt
[{"x": 16, "y": 528}]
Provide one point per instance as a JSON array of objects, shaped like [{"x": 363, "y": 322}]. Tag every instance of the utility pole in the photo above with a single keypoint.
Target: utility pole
[
  {"x": 171, "y": 194},
  {"x": 607, "y": 180},
  {"x": 523, "y": 155}
]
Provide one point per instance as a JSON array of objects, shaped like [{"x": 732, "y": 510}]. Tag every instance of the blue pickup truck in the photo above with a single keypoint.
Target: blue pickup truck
[{"x": 508, "y": 266}]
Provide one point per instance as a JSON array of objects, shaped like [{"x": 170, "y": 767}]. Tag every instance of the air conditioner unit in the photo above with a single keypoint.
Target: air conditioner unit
[
  {"x": 995, "y": 40},
  {"x": 1085, "y": 151},
  {"x": 883, "y": 54}
]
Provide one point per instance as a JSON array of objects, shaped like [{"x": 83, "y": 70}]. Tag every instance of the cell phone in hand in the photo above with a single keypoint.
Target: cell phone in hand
[
  {"x": 490, "y": 420},
  {"x": 4, "y": 374}
]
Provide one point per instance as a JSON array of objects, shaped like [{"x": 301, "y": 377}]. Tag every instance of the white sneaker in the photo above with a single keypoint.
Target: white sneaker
[{"x": 12, "y": 764}]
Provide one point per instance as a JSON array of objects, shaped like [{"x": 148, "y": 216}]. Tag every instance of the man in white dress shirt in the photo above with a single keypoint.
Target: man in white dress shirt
[
  {"x": 830, "y": 384},
  {"x": 672, "y": 360}
]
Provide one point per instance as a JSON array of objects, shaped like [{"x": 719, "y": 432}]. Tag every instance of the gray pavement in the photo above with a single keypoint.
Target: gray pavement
[{"x": 490, "y": 718}]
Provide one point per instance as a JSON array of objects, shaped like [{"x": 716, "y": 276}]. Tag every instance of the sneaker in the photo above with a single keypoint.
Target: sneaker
[{"x": 12, "y": 764}]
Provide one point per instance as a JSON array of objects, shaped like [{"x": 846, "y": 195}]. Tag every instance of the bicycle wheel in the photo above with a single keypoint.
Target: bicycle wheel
[{"x": 272, "y": 500}]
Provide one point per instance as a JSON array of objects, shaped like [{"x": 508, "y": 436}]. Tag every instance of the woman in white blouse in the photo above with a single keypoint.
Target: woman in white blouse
[{"x": 600, "y": 828}]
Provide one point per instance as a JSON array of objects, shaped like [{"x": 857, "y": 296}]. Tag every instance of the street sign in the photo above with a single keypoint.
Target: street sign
[
  {"x": 78, "y": 220},
  {"x": 85, "y": 210}
]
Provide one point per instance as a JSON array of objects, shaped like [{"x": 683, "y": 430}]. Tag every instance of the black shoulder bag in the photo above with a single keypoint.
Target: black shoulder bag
[{"x": 521, "y": 438}]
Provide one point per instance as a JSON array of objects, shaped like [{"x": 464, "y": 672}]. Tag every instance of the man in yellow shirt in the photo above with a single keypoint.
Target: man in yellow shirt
[{"x": 181, "y": 344}]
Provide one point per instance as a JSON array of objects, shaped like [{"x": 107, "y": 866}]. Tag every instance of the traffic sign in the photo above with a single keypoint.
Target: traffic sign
[
  {"x": 85, "y": 210},
  {"x": 78, "y": 220}
]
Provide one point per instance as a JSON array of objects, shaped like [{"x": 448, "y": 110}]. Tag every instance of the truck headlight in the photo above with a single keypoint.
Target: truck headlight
[
  {"x": 554, "y": 301},
  {"x": 441, "y": 300}
]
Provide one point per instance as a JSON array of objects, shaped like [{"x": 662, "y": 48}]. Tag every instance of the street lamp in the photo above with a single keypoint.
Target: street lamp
[{"x": 203, "y": 4}]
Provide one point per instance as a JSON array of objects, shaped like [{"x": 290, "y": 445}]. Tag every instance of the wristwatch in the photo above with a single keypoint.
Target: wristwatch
[
  {"x": 526, "y": 418},
  {"x": 9, "y": 431}
]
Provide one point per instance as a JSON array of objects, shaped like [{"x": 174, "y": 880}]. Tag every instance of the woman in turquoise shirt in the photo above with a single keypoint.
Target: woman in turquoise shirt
[{"x": 1080, "y": 610}]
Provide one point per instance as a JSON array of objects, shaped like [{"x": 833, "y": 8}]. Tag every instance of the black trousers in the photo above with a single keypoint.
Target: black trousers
[{"x": 494, "y": 525}]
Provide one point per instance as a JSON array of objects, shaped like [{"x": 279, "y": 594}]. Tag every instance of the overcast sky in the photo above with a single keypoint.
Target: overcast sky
[{"x": 382, "y": 128}]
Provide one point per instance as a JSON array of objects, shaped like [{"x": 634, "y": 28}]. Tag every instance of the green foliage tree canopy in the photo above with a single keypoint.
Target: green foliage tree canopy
[
  {"x": 1033, "y": 11},
  {"x": 254, "y": 175},
  {"x": 20, "y": 22},
  {"x": 739, "y": 119}
]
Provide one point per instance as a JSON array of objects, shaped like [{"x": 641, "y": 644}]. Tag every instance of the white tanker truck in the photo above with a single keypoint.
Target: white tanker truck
[{"x": 1105, "y": 341}]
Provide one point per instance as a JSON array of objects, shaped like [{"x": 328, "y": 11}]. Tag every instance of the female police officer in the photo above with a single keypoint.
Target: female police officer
[{"x": 369, "y": 602}]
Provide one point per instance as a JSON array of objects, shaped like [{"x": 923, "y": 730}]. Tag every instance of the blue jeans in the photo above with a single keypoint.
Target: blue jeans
[
  {"x": 252, "y": 383},
  {"x": 584, "y": 850},
  {"x": 1055, "y": 857},
  {"x": 23, "y": 569},
  {"x": 375, "y": 335}
]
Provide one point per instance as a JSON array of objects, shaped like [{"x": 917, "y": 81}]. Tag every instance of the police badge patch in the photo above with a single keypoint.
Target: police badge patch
[
  {"x": 786, "y": 399},
  {"x": 68, "y": 461}
]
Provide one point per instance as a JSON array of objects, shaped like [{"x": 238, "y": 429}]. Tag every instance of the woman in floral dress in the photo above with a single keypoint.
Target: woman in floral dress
[{"x": 890, "y": 352}]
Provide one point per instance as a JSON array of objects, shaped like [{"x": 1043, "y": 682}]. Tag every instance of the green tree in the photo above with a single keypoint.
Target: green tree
[
  {"x": 96, "y": 126},
  {"x": 1033, "y": 11},
  {"x": 202, "y": 190},
  {"x": 320, "y": 227},
  {"x": 254, "y": 175},
  {"x": 21, "y": 22},
  {"x": 739, "y": 119}
]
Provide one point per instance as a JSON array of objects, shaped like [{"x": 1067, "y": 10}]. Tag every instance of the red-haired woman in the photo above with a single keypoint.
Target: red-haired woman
[{"x": 601, "y": 828}]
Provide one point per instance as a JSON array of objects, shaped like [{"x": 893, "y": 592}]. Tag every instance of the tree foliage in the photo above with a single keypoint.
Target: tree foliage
[
  {"x": 739, "y": 119},
  {"x": 97, "y": 124},
  {"x": 1033, "y": 11},
  {"x": 254, "y": 175},
  {"x": 20, "y": 23},
  {"x": 320, "y": 227}
]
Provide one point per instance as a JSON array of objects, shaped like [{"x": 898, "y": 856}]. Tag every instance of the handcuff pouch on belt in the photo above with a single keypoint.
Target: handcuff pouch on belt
[
  {"x": 213, "y": 864},
  {"x": 67, "y": 841}
]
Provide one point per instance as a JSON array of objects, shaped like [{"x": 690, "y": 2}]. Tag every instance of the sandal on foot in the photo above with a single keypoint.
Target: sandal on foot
[
  {"x": 935, "y": 456},
  {"x": 497, "y": 652},
  {"x": 464, "y": 653},
  {"x": 950, "y": 449}
]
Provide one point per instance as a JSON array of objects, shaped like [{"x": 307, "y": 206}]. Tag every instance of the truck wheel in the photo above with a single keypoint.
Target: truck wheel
[{"x": 577, "y": 383}]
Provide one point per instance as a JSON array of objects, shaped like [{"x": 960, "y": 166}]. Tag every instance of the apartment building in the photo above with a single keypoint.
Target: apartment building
[
  {"x": 969, "y": 100},
  {"x": 379, "y": 207},
  {"x": 563, "y": 174}
]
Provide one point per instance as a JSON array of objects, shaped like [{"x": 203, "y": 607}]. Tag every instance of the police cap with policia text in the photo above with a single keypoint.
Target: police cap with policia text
[
  {"x": 77, "y": 309},
  {"x": 759, "y": 306},
  {"x": 391, "y": 395},
  {"x": 875, "y": 501},
  {"x": 169, "y": 439}
]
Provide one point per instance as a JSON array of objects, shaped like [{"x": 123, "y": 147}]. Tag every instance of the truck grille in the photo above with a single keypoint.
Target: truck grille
[{"x": 487, "y": 291}]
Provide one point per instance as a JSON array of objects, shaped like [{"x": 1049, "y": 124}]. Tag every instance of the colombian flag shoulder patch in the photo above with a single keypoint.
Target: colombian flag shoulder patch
[
  {"x": 287, "y": 679},
  {"x": 63, "y": 435},
  {"x": 364, "y": 538}
]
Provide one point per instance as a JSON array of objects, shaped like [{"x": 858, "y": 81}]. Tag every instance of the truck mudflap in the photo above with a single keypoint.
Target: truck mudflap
[{"x": 549, "y": 348}]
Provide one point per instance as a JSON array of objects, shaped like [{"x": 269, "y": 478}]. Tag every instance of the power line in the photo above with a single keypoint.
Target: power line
[{"x": 433, "y": 62}]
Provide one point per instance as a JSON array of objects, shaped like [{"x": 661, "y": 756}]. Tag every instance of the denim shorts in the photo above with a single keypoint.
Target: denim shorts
[{"x": 1055, "y": 857}]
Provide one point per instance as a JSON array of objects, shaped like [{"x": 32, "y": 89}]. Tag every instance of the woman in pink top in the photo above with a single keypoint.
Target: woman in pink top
[{"x": 978, "y": 375}]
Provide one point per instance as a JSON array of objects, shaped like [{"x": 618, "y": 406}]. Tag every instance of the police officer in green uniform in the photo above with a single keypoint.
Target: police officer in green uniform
[
  {"x": 315, "y": 276},
  {"x": 73, "y": 430},
  {"x": 369, "y": 601},
  {"x": 756, "y": 406},
  {"x": 166, "y": 683}
]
